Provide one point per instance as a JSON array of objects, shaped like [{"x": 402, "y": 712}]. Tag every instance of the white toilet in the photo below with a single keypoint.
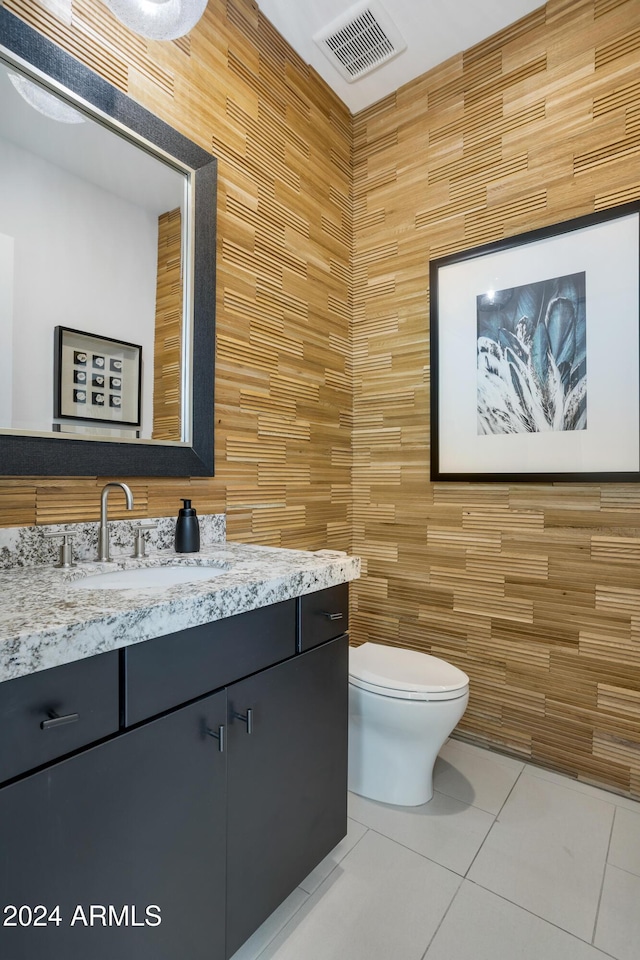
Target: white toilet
[{"x": 402, "y": 707}]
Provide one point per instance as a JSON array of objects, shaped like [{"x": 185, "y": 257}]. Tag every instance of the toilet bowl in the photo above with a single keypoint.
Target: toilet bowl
[{"x": 402, "y": 707}]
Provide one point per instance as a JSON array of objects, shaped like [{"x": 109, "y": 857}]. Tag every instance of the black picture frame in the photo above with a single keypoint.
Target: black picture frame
[
  {"x": 531, "y": 339},
  {"x": 69, "y": 345},
  {"x": 28, "y": 455}
]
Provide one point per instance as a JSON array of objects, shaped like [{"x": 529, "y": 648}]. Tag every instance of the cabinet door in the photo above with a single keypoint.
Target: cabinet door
[
  {"x": 287, "y": 781},
  {"x": 134, "y": 823}
]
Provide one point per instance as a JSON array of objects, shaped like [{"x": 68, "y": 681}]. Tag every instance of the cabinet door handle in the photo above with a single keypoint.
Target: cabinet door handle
[
  {"x": 219, "y": 736},
  {"x": 246, "y": 718},
  {"x": 56, "y": 721},
  {"x": 331, "y": 616}
]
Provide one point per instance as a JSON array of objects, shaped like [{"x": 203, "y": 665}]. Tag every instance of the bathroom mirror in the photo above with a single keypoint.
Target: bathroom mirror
[{"x": 107, "y": 276}]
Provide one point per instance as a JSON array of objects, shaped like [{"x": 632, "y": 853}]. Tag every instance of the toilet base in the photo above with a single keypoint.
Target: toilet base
[
  {"x": 384, "y": 793},
  {"x": 393, "y": 745}
]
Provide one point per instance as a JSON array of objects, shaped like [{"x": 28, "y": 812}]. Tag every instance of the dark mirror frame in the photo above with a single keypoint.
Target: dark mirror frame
[{"x": 52, "y": 456}]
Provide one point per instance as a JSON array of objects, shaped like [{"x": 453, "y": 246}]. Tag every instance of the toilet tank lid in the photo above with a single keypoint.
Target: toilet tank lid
[{"x": 399, "y": 669}]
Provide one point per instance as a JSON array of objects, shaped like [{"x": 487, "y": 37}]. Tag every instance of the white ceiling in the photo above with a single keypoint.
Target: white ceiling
[{"x": 433, "y": 29}]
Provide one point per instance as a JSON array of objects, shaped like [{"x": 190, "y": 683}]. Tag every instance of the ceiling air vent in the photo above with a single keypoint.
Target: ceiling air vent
[{"x": 360, "y": 40}]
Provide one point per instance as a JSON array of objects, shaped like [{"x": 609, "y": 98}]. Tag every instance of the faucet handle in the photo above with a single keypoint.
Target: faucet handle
[
  {"x": 138, "y": 537},
  {"x": 65, "y": 553}
]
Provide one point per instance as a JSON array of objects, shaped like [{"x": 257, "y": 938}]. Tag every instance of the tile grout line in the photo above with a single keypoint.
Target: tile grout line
[
  {"x": 537, "y": 916},
  {"x": 467, "y": 803},
  {"x": 618, "y": 800},
  {"x": 442, "y": 919},
  {"x": 495, "y": 820},
  {"x": 629, "y": 873},
  {"x": 580, "y": 939},
  {"x": 438, "y": 863},
  {"x": 418, "y": 853},
  {"x": 604, "y": 874},
  {"x": 405, "y": 846}
]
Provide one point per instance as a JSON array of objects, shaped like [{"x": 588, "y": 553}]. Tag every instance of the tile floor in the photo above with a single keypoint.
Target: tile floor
[{"x": 507, "y": 862}]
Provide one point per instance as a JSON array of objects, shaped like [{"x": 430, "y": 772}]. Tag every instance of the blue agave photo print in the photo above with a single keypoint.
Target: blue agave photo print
[{"x": 532, "y": 357}]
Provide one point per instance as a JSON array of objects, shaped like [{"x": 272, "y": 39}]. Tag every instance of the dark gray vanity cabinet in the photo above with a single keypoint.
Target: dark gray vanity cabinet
[
  {"x": 135, "y": 825},
  {"x": 185, "y": 826},
  {"x": 287, "y": 798}
]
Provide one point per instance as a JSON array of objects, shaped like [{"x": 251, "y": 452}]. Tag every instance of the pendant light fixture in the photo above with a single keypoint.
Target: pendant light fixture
[
  {"x": 158, "y": 19},
  {"x": 44, "y": 102}
]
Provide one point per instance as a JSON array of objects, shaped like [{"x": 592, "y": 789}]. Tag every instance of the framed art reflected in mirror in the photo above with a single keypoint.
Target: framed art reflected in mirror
[{"x": 96, "y": 379}]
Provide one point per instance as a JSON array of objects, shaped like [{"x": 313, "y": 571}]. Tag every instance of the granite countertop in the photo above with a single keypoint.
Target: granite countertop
[{"x": 45, "y": 622}]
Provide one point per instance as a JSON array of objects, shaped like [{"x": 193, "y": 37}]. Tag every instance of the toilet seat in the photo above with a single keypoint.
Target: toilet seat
[{"x": 404, "y": 674}]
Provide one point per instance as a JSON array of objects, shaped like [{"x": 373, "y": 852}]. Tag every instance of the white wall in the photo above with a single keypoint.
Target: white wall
[{"x": 84, "y": 258}]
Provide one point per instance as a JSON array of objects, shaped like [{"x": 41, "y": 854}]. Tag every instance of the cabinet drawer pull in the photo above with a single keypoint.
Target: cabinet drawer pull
[
  {"x": 246, "y": 718},
  {"x": 56, "y": 721},
  {"x": 219, "y": 736},
  {"x": 332, "y": 616}
]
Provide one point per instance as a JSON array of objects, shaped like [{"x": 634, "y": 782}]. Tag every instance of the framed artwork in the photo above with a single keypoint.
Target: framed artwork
[
  {"x": 96, "y": 378},
  {"x": 535, "y": 359}
]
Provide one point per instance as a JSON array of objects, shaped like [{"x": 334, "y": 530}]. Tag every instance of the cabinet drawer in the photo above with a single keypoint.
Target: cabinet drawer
[
  {"x": 323, "y": 616},
  {"x": 85, "y": 691},
  {"x": 163, "y": 673}
]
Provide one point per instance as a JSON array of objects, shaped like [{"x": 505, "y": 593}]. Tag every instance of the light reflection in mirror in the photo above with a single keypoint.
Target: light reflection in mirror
[{"x": 93, "y": 232}]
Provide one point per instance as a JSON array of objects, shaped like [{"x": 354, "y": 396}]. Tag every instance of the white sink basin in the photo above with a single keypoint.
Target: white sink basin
[{"x": 144, "y": 578}]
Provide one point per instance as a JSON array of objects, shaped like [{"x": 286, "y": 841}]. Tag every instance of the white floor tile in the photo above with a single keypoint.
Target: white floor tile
[
  {"x": 355, "y": 832},
  {"x": 474, "y": 775},
  {"x": 624, "y": 851},
  {"x": 379, "y": 896},
  {"x": 618, "y": 930},
  {"x": 382, "y": 902},
  {"x": 585, "y": 788},
  {"x": 272, "y": 925},
  {"x": 546, "y": 852},
  {"x": 481, "y": 926},
  {"x": 445, "y": 830}
]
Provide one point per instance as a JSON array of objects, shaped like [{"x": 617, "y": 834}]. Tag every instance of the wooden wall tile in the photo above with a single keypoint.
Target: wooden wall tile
[
  {"x": 167, "y": 399},
  {"x": 531, "y": 589}
]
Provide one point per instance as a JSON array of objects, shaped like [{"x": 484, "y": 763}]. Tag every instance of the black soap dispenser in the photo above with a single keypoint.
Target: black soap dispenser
[{"x": 187, "y": 529}]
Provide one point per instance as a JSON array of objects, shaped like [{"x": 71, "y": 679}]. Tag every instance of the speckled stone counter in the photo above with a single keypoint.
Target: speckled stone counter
[{"x": 45, "y": 622}]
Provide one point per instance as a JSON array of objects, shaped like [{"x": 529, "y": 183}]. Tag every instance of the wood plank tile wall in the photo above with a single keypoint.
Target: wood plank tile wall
[
  {"x": 534, "y": 590},
  {"x": 167, "y": 354},
  {"x": 283, "y": 389}
]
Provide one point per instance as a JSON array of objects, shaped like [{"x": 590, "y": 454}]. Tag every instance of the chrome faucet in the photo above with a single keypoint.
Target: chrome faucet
[{"x": 103, "y": 530}]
